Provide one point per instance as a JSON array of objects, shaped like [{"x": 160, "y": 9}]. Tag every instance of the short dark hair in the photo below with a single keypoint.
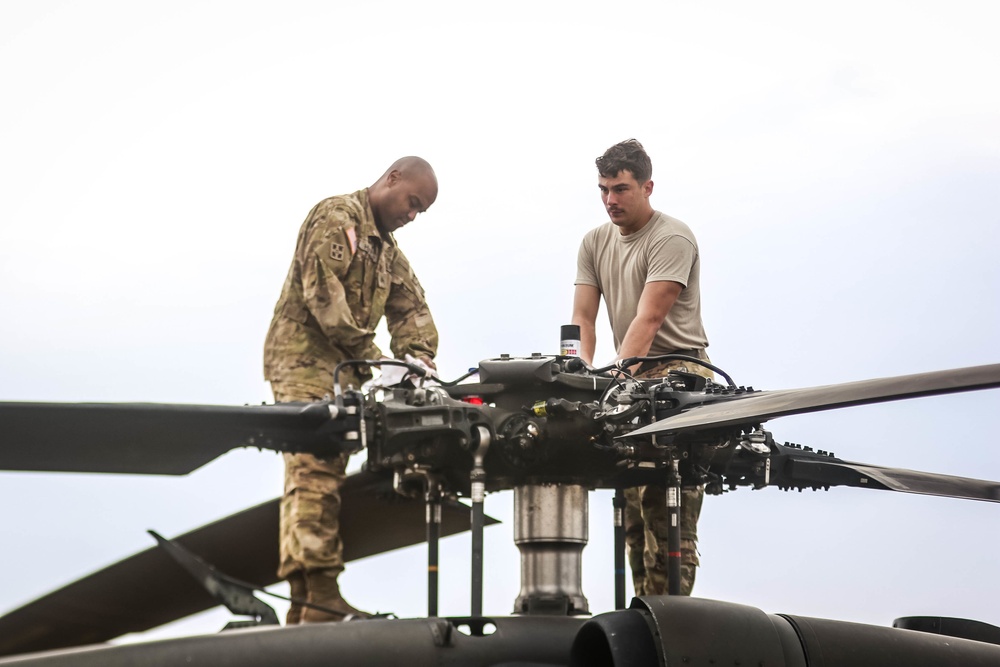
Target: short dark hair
[{"x": 628, "y": 154}]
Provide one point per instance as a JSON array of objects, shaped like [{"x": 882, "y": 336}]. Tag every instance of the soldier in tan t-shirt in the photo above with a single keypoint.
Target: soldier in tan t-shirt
[{"x": 646, "y": 266}]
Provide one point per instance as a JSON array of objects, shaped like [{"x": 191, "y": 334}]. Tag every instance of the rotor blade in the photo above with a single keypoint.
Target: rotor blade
[
  {"x": 817, "y": 472},
  {"x": 149, "y": 589},
  {"x": 757, "y": 407},
  {"x": 149, "y": 438}
]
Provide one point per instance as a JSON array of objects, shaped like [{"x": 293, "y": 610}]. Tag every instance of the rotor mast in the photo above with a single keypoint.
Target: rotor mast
[{"x": 550, "y": 531}]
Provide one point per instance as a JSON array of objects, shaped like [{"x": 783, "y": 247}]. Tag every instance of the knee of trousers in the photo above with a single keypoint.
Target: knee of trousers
[
  {"x": 310, "y": 531},
  {"x": 306, "y": 472}
]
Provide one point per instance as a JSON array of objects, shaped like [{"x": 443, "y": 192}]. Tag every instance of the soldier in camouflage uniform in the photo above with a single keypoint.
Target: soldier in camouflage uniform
[
  {"x": 346, "y": 274},
  {"x": 646, "y": 521},
  {"x": 646, "y": 266}
]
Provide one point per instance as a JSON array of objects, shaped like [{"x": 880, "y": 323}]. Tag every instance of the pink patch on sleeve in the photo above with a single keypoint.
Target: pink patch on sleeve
[{"x": 352, "y": 238}]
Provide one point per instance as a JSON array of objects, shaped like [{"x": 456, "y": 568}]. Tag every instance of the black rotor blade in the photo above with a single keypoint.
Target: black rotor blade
[
  {"x": 149, "y": 589},
  {"x": 149, "y": 438},
  {"x": 834, "y": 472},
  {"x": 757, "y": 407}
]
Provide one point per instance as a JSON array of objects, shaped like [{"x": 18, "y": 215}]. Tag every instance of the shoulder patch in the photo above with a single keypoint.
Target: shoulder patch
[{"x": 336, "y": 252}]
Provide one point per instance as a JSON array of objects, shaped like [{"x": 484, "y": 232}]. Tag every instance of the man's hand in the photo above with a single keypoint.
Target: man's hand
[
  {"x": 426, "y": 363},
  {"x": 629, "y": 370},
  {"x": 391, "y": 374},
  {"x": 395, "y": 373},
  {"x": 422, "y": 361},
  {"x": 430, "y": 378}
]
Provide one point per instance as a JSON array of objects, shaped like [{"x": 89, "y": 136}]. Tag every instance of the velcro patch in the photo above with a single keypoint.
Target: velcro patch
[{"x": 336, "y": 251}]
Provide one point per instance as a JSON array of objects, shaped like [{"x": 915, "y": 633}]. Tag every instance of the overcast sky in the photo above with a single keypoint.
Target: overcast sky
[{"x": 839, "y": 164}]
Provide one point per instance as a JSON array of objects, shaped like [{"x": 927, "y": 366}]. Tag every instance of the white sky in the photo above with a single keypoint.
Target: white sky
[{"x": 839, "y": 165}]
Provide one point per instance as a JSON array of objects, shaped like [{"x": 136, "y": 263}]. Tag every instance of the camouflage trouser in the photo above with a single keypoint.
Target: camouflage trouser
[
  {"x": 647, "y": 523},
  {"x": 309, "y": 524}
]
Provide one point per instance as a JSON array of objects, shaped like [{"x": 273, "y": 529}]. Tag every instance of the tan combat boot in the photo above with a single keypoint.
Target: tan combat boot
[
  {"x": 298, "y": 592},
  {"x": 324, "y": 591}
]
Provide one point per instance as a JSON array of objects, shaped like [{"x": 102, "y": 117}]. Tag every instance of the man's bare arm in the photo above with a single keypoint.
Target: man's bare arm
[
  {"x": 586, "y": 301},
  {"x": 657, "y": 299}
]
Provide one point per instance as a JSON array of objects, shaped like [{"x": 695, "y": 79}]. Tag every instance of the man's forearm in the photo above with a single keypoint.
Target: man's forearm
[
  {"x": 588, "y": 341},
  {"x": 586, "y": 302},
  {"x": 639, "y": 338}
]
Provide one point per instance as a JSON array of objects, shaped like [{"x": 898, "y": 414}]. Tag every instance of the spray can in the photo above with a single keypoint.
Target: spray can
[{"x": 569, "y": 344}]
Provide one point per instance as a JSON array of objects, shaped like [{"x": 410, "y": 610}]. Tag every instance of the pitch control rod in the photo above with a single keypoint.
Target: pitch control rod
[
  {"x": 478, "y": 480},
  {"x": 433, "y": 500},
  {"x": 674, "y": 530},
  {"x": 619, "y": 506}
]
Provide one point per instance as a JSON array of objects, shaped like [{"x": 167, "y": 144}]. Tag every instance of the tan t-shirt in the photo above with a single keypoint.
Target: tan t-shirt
[{"x": 620, "y": 266}]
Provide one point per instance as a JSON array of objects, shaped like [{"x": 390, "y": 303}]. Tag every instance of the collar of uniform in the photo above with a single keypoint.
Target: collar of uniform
[
  {"x": 368, "y": 226},
  {"x": 632, "y": 238}
]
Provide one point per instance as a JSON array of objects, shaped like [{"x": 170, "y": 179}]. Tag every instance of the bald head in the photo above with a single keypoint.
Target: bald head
[
  {"x": 408, "y": 187},
  {"x": 411, "y": 167}
]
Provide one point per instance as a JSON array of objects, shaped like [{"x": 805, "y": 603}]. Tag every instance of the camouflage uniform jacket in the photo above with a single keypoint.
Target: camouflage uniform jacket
[{"x": 345, "y": 275}]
